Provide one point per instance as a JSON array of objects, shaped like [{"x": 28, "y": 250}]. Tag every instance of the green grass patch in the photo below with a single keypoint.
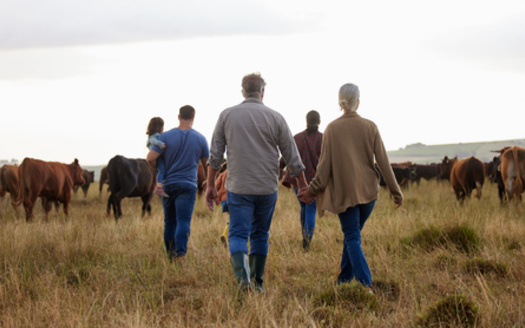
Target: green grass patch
[{"x": 452, "y": 311}]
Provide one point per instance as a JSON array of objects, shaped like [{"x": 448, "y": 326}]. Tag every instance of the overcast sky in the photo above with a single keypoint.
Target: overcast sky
[{"x": 81, "y": 79}]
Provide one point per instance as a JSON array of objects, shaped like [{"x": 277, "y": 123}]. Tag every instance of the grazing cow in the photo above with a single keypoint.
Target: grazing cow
[
  {"x": 130, "y": 178},
  {"x": 513, "y": 171},
  {"x": 445, "y": 167},
  {"x": 403, "y": 175},
  {"x": 9, "y": 183},
  {"x": 427, "y": 172},
  {"x": 466, "y": 175},
  {"x": 89, "y": 177},
  {"x": 489, "y": 170},
  {"x": 496, "y": 178},
  {"x": 53, "y": 181},
  {"x": 104, "y": 178}
]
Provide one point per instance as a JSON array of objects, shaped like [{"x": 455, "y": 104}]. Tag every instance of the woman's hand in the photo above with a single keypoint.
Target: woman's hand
[
  {"x": 398, "y": 202},
  {"x": 305, "y": 197}
]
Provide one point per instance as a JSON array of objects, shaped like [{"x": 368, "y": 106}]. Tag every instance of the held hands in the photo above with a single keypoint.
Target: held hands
[
  {"x": 304, "y": 197},
  {"x": 211, "y": 197}
]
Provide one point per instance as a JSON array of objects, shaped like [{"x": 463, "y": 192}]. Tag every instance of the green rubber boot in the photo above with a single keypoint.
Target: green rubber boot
[
  {"x": 257, "y": 264},
  {"x": 241, "y": 269}
]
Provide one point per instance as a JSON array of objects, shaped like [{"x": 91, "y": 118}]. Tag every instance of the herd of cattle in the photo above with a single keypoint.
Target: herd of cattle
[{"x": 54, "y": 182}]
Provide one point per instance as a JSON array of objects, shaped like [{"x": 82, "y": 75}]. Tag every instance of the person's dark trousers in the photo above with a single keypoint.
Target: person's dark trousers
[
  {"x": 250, "y": 219},
  {"x": 178, "y": 209}
]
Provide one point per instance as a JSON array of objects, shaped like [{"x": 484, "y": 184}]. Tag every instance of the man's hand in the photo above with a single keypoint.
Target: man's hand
[
  {"x": 211, "y": 197},
  {"x": 305, "y": 197}
]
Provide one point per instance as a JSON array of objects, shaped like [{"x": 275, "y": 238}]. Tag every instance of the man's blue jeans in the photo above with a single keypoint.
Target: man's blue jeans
[
  {"x": 353, "y": 261},
  {"x": 308, "y": 213},
  {"x": 250, "y": 217},
  {"x": 178, "y": 209}
]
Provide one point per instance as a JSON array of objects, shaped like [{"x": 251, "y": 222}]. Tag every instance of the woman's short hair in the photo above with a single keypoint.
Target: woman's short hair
[
  {"x": 348, "y": 96},
  {"x": 253, "y": 85}
]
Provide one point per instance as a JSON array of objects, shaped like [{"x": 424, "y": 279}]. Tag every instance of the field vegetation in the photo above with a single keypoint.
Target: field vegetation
[{"x": 434, "y": 264}]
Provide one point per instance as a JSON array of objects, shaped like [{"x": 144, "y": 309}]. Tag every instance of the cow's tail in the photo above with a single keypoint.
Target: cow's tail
[{"x": 518, "y": 185}]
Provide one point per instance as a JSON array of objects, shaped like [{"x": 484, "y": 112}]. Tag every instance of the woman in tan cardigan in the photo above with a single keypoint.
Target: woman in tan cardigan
[{"x": 346, "y": 182}]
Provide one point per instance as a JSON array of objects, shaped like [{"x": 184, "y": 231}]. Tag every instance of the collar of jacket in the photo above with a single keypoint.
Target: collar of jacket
[
  {"x": 252, "y": 100},
  {"x": 350, "y": 114}
]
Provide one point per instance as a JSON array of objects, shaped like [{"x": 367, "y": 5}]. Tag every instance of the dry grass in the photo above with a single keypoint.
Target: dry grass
[{"x": 89, "y": 271}]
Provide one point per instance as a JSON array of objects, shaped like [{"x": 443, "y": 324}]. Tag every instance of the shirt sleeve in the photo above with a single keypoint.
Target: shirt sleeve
[
  {"x": 289, "y": 150},
  {"x": 218, "y": 144},
  {"x": 153, "y": 140},
  {"x": 386, "y": 168},
  {"x": 324, "y": 167}
]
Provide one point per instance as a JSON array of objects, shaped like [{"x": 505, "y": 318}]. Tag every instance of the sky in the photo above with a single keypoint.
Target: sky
[{"x": 82, "y": 79}]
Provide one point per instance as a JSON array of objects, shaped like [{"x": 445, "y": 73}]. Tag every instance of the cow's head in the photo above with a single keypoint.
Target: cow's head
[
  {"x": 76, "y": 173},
  {"x": 89, "y": 176}
]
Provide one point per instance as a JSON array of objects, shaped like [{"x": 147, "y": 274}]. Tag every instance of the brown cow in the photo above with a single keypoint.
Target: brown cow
[
  {"x": 53, "y": 181},
  {"x": 89, "y": 177},
  {"x": 513, "y": 171},
  {"x": 104, "y": 178},
  {"x": 9, "y": 183},
  {"x": 201, "y": 179},
  {"x": 466, "y": 175}
]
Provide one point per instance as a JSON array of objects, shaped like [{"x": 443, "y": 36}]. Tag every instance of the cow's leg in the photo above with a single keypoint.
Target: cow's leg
[
  {"x": 118, "y": 208},
  {"x": 457, "y": 191},
  {"x": 146, "y": 204},
  {"x": 508, "y": 187},
  {"x": 66, "y": 209},
  {"x": 478, "y": 190},
  {"x": 29, "y": 202},
  {"x": 110, "y": 202},
  {"x": 66, "y": 201},
  {"x": 47, "y": 206}
]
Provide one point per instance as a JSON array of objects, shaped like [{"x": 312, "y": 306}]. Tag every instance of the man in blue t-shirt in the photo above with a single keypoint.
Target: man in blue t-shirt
[{"x": 184, "y": 149}]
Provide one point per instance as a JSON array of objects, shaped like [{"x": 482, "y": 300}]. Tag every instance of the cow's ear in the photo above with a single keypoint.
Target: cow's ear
[{"x": 76, "y": 161}]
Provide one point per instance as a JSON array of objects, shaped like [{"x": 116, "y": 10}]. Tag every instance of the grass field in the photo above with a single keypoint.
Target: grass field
[{"x": 433, "y": 262}]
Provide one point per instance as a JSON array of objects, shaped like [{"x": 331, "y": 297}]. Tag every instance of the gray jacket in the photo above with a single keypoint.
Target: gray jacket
[{"x": 253, "y": 137}]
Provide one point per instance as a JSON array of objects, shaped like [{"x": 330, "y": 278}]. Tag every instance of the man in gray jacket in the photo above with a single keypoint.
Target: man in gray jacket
[{"x": 253, "y": 137}]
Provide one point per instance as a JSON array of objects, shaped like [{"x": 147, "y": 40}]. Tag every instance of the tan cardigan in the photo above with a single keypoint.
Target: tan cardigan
[{"x": 345, "y": 174}]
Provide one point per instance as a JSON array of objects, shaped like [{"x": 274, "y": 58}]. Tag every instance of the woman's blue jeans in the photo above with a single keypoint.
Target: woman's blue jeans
[
  {"x": 250, "y": 217},
  {"x": 178, "y": 209},
  {"x": 353, "y": 261},
  {"x": 308, "y": 213}
]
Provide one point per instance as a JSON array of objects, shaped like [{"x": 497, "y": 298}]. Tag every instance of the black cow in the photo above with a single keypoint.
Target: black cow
[
  {"x": 496, "y": 177},
  {"x": 427, "y": 172},
  {"x": 89, "y": 177},
  {"x": 130, "y": 178},
  {"x": 403, "y": 175}
]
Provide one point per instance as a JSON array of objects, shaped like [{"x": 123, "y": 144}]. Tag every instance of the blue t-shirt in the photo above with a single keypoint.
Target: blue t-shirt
[{"x": 184, "y": 149}]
